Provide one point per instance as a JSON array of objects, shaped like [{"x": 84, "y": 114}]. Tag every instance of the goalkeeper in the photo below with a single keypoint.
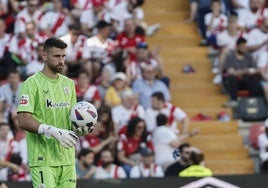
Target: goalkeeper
[{"x": 46, "y": 99}]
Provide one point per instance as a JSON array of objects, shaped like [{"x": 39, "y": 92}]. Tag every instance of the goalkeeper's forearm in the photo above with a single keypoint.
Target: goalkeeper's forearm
[{"x": 27, "y": 122}]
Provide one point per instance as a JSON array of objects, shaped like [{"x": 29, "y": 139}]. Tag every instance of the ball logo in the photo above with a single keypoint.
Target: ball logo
[
  {"x": 93, "y": 114},
  {"x": 78, "y": 115}
]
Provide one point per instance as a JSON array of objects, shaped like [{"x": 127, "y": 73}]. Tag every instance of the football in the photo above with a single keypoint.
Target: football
[{"x": 83, "y": 117}]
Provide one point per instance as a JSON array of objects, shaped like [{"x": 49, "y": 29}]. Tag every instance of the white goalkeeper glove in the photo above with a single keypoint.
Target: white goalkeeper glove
[{"x": 66, "y": 138}]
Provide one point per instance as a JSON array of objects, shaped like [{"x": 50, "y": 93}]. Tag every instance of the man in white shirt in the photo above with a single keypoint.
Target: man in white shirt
[
  {"x": 175, "y": 115},
  {"x": 109, "y": 170},
  {"x": 129, "y": 108},
  {"x": 253, "y": 16},
  {"x": 56, "y": 21},
  {"x": 165, "y": 141},
  {"x": 257, "y": 39},
  {"x": 30, "y": 13},
  {"x": 99, "y": 48},
  {"x": 147, "y": 168}
]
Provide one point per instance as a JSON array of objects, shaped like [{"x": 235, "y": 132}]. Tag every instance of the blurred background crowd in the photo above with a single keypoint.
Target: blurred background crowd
[{"x": 139, "y": 133}]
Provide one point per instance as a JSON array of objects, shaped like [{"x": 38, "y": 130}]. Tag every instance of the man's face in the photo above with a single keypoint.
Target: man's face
[
  {"x": 106, "y": 158},
  {"x": 254, "y": 5},
  {"x": 4, "y": 130},
  {"x": 242, "y": 48},
  {"x": 155, "y": 103},
  {"x": 88, "y": 159},
  {"x": 54, "y": 58},
  {"x": 185, "y": 154},
  {"x": 33, "y": 5}
]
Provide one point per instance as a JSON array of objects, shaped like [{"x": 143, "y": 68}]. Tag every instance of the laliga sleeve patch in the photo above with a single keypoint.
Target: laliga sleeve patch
[{"x": 24, "y": 100}]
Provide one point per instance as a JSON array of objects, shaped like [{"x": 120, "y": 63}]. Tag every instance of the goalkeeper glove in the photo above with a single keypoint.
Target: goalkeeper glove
[
  {"x": 83, "y": 130},
  {"x": 66, "y": 138}
]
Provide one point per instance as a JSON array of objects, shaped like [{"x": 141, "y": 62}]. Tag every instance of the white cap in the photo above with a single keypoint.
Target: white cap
[{"x": 119, "y": 76}]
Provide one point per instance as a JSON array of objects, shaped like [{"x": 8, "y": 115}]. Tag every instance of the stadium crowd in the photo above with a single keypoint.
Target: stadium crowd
[{"x": 139, "y": 131}]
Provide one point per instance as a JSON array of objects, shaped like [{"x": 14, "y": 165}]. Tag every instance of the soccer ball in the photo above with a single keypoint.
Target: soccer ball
[{"x": 83, "y": 117}]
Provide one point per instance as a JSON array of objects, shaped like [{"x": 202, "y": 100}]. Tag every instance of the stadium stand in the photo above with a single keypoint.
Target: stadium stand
[{"x": 221, "y": 143}]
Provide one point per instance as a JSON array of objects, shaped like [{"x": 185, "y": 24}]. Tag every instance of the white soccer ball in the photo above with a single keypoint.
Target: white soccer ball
[{"x": 83, "y": 117}]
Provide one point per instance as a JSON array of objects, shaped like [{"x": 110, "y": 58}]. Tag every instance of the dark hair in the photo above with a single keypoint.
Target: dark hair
[
  {"x": 240, "y": 40},
  {"x": 196, "y": 158},
  {"x": 54, "y": 42},
  {"x": 215, "y": 1},
  {"x": 132, "y": 124},
  {"x": 16, "y": 159},
  {"x": 161, "y": 119},
  {"x": 75, "y": 26},
  {"x": 102, "y": 24},
  {"x": 83, "y": 153},
  {"x": 109, "y": 125},
  {"x": 142, "y": 45},
  {"x": 182, "y": 146},
  {"x": 159, "y": 95}
]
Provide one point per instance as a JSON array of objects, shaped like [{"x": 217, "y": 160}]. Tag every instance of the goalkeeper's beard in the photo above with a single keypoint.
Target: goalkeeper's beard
[{"x": 57, "y": 68}]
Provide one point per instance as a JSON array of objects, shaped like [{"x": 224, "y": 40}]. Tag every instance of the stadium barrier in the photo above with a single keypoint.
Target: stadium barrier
[{"x": 244, "y": 181}]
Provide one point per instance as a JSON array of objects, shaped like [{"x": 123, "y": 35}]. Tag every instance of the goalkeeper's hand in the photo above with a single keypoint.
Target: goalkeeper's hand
[{"x": 66, "y": 138}]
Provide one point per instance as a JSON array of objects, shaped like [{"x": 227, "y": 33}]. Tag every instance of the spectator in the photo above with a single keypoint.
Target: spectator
[
  {"x": 4, "y": 44},
  {"x": 129, "y": 108},
  {"x": 109, "y": 170},
  {"x": 252, "y": 17},
  {"x": 104, "y": 82},
  {"x": 36, "y": 65},
  {"x": 215, "y": 22},
  {"x": 9, "y": 92},
  {"x": 147, "y": 85},
  {"x": 143, "y": 57},
  {"x": 128, "y": 39},
  {"x": 79, "y": 6},
  {"x": 114, "y": 92},
  {"x": 105, "y": 126},
  {"x": 197, "y": 168},
  {"x": 56, "y": 21},
  {"x": 85, "y": 90},
  {"x": 147, "y": 168},
  {"x": 22, "y": 174},
  {"x": 76, "y": 42},
  {"x": 226, "y": 41},
  {"x": 90, "y": 17},
  {"x": 175, "y": 114},
  {"x": 262, "y": 65},
  {"x": 239, "y": 5},
  {"x": 85, "y": 168},
  {"x": 8, "y": 146},
  {"x": 165, "y": 141},
  {"x": 239, "y": 72},
  {"x": 31, "y": 13},
  {"x": 98, "y": 49},
  {"x": 95, "y": 143},
  {"x": 257, "y": 39},
  {"x": 129, "y": 146},
  {"x": 193, "y": 11},
  {"x": 184, "y": 151},
  {"x": 24, "y": 47}
]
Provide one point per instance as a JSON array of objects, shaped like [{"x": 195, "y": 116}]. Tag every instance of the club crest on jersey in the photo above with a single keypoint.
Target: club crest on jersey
[
  {"x": 24, "y": 100},
  {"x": 66, "y": 90}
]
